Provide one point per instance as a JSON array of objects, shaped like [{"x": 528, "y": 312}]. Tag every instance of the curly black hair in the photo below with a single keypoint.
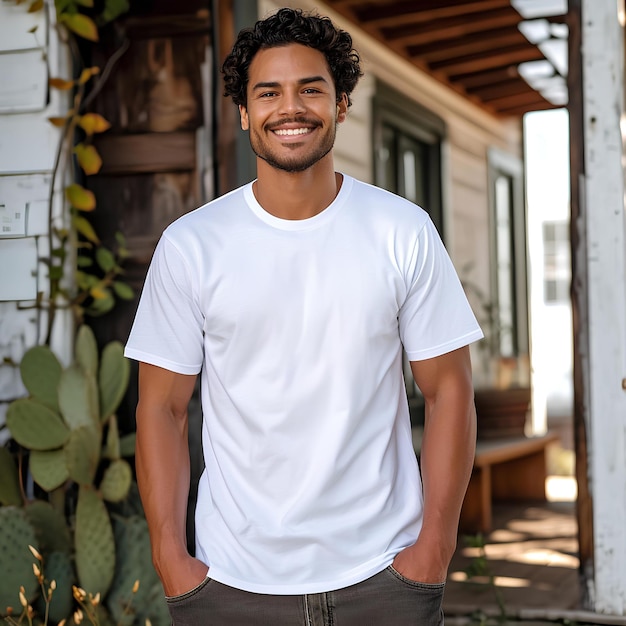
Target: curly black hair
[{"x": 285, "y": 27}]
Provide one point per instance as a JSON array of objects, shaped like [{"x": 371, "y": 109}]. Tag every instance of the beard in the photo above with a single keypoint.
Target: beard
[{"x": 293, "y": 163}]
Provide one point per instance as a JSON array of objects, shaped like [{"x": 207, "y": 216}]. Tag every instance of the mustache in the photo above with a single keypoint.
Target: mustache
[{"x": 294, "y": 120}]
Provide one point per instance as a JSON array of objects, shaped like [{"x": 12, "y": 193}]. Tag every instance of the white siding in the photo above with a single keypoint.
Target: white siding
[{"x": 28, "y": 144}]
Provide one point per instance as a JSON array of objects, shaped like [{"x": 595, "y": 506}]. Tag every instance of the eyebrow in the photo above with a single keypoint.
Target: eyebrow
[{"x": 302, "y": 81}]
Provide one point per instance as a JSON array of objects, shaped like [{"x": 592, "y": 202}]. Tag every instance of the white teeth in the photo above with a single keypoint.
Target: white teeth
[{"x": 292, "y": 131}]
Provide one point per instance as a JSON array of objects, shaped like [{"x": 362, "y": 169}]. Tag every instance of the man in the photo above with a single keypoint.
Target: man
[{"x": 294, "y": 298}]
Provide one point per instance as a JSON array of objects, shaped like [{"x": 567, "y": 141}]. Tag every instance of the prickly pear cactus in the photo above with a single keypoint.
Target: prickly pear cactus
[
  {"x": 134, "y": 563},
  {"x": 9, "y": 480},
  {"x": 58, "y": 566},
  {"x": 86, "y": 350},
  {"x": 35, "y": 426},
  {"x": 48, "y": 468},
  {"x": 16, "y": 534},
  {"x": 116, "y": 482},
  {"x": 41, "y": 371},
  {"x": 82, "y": 454},
  {"x": 53, "y": 534},
  {"x": 78, "y": 398},
  {"x": 112, "y": 378},
  {"x": 93, "y": 542}
]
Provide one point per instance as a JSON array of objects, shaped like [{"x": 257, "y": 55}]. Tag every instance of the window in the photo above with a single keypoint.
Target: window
[
  {"x": 407, "y": 151},
  {"x": 556, "y": 262},
  {"x": 509, "y": 318}
]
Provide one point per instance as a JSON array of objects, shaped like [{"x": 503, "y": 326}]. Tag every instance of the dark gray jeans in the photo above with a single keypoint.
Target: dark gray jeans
[{"x": 387, "y": 599}]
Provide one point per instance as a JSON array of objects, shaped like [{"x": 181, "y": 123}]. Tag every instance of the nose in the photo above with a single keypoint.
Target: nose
[{"x": 292, "y": 103}]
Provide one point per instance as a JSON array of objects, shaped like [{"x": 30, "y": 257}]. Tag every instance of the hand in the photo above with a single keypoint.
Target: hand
[
  {"x": 424, "y": 561},
  {"x": 182, "y": 575}
]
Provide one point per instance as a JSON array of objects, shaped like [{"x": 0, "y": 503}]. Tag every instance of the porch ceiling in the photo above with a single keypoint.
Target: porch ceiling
[{"x": 508, "y": 59}]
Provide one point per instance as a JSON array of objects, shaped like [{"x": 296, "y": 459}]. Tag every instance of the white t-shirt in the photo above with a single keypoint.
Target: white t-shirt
[{"x": 311, "y": 481}]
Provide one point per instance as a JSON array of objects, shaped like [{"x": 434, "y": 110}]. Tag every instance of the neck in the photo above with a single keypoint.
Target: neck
[{"x": 297, "y": 195}]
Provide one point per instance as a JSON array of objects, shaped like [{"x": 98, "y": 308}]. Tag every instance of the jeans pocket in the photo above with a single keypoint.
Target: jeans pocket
[
  {"x": 188, "y": 594},
  {"x": 435, "y": 588}
]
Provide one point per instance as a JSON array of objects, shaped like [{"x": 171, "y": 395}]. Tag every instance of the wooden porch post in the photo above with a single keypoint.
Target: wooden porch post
[{"x": 599, "y": 297}]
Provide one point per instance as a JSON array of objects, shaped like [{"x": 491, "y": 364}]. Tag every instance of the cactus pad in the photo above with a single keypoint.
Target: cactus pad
[
  {"x": 82, "y": 454},
  {"x": 41, "y": 370},
  {"x": 113, "y": 378},
  {"x": 116, "y": 481},
  {"x": 78, "y": 398},
  {"x": 48, "y": 468},
  {"x": 52, "y": 532},
  {"x": 86, "y": 350},
  {"x": 35, "y": 426},
  {"x": 16, "y": 534},
  {"x": 9, "y": 480},
  {"x": 112, "y": 448},
  {"x": 134, "y": 563},
  {"x": 58, "y": 567},
  {"x": 94, "y": 543}
]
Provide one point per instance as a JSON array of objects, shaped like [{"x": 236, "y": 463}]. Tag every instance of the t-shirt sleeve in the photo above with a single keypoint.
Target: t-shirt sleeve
[
  {"x": 168, "y": 329},
  {"x": 435, "y": 317}
]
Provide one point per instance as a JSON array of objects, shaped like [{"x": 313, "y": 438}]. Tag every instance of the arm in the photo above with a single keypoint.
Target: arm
[
  {"x": 163, "y": 474},
  {"x": 447, "y": 455}
]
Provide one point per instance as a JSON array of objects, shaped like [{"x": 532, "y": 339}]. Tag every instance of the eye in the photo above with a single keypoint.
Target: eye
[{"x": 312, "y": 90}]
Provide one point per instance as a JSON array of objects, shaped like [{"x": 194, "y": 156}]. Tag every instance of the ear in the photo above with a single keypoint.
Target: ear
[
  {"x": 342, "y": 108},
  {"x": 243, "y": 116}
]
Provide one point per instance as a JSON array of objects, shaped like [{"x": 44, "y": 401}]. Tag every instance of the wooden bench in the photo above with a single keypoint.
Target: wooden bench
[{"x": 511, "y": 469}]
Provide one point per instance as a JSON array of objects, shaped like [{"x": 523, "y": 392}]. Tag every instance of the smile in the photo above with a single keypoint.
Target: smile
[{"x": 292, "y": 131}]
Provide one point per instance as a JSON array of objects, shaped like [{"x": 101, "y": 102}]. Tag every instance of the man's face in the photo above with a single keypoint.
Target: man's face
[{"x": 292, "y": 109}]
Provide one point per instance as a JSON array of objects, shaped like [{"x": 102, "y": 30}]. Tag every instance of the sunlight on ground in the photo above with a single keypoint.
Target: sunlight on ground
[
  {"x": 561, "y": 489},
  {"x": 548, "y": 557},
  {"x": 501, "y": 581}
]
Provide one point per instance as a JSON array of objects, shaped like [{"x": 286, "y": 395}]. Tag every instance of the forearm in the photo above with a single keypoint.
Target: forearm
[
  {"x": 163, "y": 475},
  {"x": 447, "y": 456}
]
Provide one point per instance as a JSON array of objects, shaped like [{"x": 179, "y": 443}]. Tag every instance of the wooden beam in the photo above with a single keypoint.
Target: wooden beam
[
  {"x": 394, "y": 13},
  {"x": 468, "y": 44},
  {"x": 147, "y": 153},
  {"x": 603, "y": 286},
  {"x": 496, "y": 90},
  {"x": 440, "y": 30},
  {"x": 512, "y": 55}
]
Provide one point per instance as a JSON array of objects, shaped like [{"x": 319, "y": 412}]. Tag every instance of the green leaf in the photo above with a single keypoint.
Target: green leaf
[
  {"x": 123, "y": 291},
  {"x": 81, "y": 25},
  {"x": 56, "y": 272},
  {"x": 84, "y": 227},
  {"x": 120, "y": 239},
  {"x": 84, "y": 261},
  {"x": 105, "y": 259},
  {"x": 10, "y": 493},
  {"x": 35, "y": 426},
  {"x": 101, "y": 306},
  {"x": 113, "y": 9},
  {"x": 127, "y": 445}
]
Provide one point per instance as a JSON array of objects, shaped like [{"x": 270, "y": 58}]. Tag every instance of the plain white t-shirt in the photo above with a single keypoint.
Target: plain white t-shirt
[{"x": 297, "y": 326}]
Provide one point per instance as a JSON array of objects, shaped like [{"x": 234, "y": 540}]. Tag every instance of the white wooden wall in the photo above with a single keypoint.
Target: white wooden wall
[
  {"x": 605, "y": 256},
  {"x": 28, "y": 143}
]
